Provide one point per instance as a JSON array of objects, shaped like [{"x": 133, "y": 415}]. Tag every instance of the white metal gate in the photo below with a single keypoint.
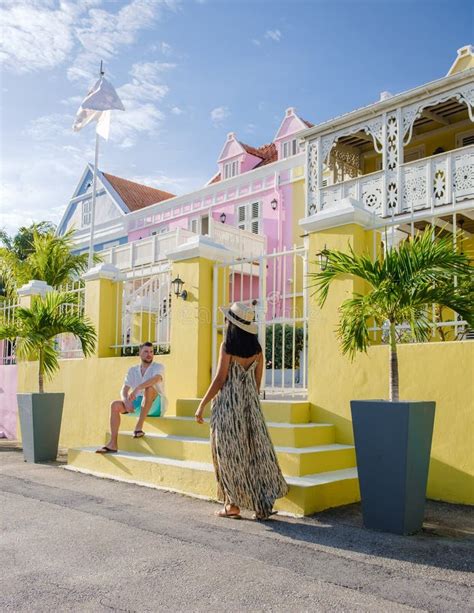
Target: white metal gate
[{"x": 276, "y": 283}]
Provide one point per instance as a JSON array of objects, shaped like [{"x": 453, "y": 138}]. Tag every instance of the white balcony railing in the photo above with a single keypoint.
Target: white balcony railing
[
  {"x": 245, "y": 244},
  {"x": 424, "y": 184},
  {"x": 152, "y": 250}
]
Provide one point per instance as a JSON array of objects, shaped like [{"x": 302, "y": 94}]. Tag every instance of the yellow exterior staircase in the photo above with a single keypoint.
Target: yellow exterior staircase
[{"x": 175, "y": 455}]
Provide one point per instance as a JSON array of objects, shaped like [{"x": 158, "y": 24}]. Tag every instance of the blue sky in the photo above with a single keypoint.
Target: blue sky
[{"x": 190, "y": 71}]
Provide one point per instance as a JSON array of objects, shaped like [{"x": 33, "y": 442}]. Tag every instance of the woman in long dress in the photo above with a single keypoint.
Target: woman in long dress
[{"x": 245, "y": 463}]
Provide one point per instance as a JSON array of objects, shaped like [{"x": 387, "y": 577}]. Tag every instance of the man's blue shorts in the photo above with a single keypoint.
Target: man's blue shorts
[{"x": 155, "y": 410}]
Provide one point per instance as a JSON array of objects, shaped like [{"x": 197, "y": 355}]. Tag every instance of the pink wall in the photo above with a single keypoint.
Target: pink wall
[{"x": 8, "y": 405}]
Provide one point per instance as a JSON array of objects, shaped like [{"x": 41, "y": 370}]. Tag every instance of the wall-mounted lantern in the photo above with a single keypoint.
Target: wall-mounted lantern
[
  {"x": 178, "y": 288},
  {"x": 323, "y": 258},
  {"x": 274, "y": 204},
  {"x": 223, "y": 217}
]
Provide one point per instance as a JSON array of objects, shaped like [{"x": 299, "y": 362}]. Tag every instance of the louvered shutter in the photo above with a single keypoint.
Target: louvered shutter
[
  {"x": 467, "y": 140},
  {"x": 255, "y": 217},
  {"x": 241, "y": 216}
]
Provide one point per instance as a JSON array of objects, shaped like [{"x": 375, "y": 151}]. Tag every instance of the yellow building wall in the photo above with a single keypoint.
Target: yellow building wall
[{"x": 430, "y": 371}]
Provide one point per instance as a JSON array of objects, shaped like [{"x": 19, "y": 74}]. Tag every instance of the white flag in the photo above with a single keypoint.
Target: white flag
[
  {"x": 101, "y": 98},
  {"x": 103, "y": 125}
]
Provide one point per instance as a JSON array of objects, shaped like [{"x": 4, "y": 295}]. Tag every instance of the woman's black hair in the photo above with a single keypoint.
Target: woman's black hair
[{"x": 240, "y": 343}]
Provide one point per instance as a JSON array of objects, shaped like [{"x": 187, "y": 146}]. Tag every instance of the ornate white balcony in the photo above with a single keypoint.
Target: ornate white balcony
[
  {"x": 426, "y": 184},
  {"x": 152, "y": 251}
]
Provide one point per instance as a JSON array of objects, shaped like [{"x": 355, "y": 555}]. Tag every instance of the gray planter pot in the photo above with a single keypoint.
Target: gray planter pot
[
  {"x": 40, "y": 422},
  {"x": 393, "y": 444}
]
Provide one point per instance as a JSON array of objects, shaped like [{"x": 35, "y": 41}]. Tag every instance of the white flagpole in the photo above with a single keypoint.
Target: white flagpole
[{"x": 94, "y": 188}]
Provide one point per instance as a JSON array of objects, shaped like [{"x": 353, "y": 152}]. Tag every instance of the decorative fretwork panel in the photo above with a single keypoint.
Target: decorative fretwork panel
[
  {"x": 371, "y": 194},
  {"x": 313, "y": 171},
  {"x": 463, "y": 175},
  {"x": 414, "y": 188},
  {"x": 410, "y": 114}
]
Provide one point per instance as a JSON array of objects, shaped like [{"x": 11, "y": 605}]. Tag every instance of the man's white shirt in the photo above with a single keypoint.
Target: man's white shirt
[{"x": 134, "y": 376}]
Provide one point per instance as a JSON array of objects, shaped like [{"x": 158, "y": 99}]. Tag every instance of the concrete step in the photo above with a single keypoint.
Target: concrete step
[
  {"x": 307, "y": 495},
  {"x": 294, "y": 461},
  {"x": 281, "y": 433},
  {"x": 290, "y": 411}
]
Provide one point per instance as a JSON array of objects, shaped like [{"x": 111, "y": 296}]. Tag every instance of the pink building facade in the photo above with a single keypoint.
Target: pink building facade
[{"x": 253, "y": 190}]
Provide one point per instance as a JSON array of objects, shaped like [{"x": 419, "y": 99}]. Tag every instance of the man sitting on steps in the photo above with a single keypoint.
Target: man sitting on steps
[{"x": 142, "y": 394}]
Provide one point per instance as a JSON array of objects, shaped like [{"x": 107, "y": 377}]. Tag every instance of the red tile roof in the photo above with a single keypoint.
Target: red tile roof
[
  {"x": 308, "y": 123},
  {"x": 135, "y": 195},
  {"x": 267, "y": 153}
]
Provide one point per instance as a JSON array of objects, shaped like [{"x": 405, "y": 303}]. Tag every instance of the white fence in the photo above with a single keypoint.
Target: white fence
[
  {"x": 276, "y": 282},
  {"x": 7, "y": 317},
  {"x": 144, "y": 312},
  {"x": 67, "y": 345}
]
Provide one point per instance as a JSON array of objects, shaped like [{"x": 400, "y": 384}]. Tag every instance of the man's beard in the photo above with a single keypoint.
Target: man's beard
[{"x": 148, "y": 360}]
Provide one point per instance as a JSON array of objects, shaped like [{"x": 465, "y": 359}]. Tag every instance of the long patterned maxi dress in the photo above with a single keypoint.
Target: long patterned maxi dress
[{"x": 246, "y": 466}]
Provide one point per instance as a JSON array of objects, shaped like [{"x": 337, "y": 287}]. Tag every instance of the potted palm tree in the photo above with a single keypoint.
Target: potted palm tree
[
  {"x": 393, "y": 438},
  {"x": 34, "y": 330}
]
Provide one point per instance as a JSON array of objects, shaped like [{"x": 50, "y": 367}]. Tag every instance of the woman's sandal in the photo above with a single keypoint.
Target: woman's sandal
[
  {"x": 105, "y": 449},
  {"x": 138, "y": 434},
  {"x": 258, "y": 517},
  {"x": 224, "y": 513}
]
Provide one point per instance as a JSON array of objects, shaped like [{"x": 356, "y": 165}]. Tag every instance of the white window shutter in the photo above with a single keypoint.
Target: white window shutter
[
  {"x": 242, "y": 217},
  {"x": 255, "y": 226},
  {"x": 255, "y": 210},
  {"x": 467, "y": 140}
]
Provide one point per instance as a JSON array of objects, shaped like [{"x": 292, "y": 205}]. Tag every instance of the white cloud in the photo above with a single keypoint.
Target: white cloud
[
  {"x": 32, "y": 192},
  {"x": 274, "y": 35},
  {"x": 177, "y": 111},
  {"x": 250, "y": 128},
  {"x": 36, "y": 36},
  {"x": 166, "y": 49},
  {"x": 256, "y": 42},
  {"x": 102, "y": 33},
  {"x": 219, "y": 114},
  {"x": 49, "y": 127},
  {"x": 42, "y": 34}
]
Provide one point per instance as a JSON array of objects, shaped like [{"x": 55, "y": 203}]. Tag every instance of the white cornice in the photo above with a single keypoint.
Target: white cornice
[
  {"x": 215, "y": 188},
  {"x": 201, "y": 247},
  {"x": 445, "y": 83},
  {"x": 347, "y": 211}
]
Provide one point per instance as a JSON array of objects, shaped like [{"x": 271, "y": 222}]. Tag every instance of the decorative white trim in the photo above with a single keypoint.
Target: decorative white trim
[
  {"x": 102, "y": 271},
  {"x": 201, "y": 247},
  {"x": 347, "y": 211},
  {"x": 404, "y": 98},
  {"x": 34, "y": 288}
]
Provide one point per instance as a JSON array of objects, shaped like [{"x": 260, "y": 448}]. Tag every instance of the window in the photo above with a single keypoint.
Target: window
[
  {"x": 248, "y": 217},
  {"x": 231, "y": 169},
  {"x": 86, "y": 213},
  {"x": 289, "y": 148},
  {"x": 414, "y": 154},
  {"x": 200, "y": 225},
  {"x": 465, "y": 139}
]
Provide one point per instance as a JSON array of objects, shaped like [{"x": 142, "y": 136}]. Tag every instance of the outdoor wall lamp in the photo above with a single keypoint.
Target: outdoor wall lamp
[
  {"x": 274, "y": 204},
  {"x": 223, "y": 217},
  {"x": 178, "y": 288},
  {"x": 323, "y": 258}
]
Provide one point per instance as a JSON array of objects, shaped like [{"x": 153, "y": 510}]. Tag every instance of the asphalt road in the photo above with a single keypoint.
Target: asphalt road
[{"x": 71, "y": 542}]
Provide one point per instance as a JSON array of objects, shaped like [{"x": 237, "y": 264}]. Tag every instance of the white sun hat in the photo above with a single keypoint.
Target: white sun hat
[{"x": 241, "y": 315}]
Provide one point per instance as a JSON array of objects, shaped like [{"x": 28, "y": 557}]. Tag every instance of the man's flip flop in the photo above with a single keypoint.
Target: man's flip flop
[
  {"x": 104, "y": 450},
  {"x": 138, "y": 434}
]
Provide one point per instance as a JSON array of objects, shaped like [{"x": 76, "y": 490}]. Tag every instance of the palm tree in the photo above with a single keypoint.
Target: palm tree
[
  {"x": 404, "y": 284},
  {"x": 50, "y": 259},
  {"x": 36, "y": 328}
]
